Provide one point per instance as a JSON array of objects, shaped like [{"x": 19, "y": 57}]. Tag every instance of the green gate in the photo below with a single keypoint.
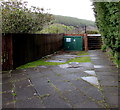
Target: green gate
[{"x": 73, "y": 43}]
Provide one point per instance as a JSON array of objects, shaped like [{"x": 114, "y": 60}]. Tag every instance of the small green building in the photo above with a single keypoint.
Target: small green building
[{"x": 73, "y": 43}]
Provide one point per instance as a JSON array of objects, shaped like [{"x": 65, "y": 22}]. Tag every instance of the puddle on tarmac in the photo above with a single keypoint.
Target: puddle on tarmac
[
  {"x": 65, "y": 56},
  {"x": 88, "y": 64},
  {"x": 84, "y": 56},
  {"x": 42, "y": 66},
  {"x": 93, "y": 55},
  {"x": 74, "y": 65},
  {"x": 95, "y": 58},
  {"x": 98, "y": 66},
  {"x": 58, "y": 61},
  {"x": 71, "y": 55},
  {"x": 90, "y": 72},
  {"x": 71, "y": 65},
  {"x": 92, "y": 80},
  {"x": 64, "y": 66}
]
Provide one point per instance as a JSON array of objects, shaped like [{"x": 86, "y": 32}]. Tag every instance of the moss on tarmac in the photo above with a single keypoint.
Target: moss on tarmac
[{"x": 43, "y": 61}]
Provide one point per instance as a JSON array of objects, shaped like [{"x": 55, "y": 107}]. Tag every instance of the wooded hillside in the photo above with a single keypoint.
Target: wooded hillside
[
  {"x": 71, "y": 21},
  {"x": 69, "y": 25}
]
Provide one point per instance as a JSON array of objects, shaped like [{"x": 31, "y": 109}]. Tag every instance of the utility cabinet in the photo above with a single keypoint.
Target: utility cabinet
[{"x": 73, "y": 43}]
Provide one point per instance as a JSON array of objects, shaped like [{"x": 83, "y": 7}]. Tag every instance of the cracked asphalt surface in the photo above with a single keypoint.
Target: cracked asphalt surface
[{"x": 57, "y": 87}]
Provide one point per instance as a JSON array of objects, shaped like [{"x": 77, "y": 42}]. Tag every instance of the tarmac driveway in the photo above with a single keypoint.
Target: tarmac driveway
[{"x": 74, "y": 85}]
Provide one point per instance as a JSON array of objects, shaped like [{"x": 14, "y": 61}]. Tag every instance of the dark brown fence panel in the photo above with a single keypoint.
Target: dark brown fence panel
[
  {"x": 7, "y": 61},
  {"x": 29, "y": 47},
  {"x": 19, "y": 49},
  {"x": 94, "y": 42},
  {"x": 23, "y": 49}
]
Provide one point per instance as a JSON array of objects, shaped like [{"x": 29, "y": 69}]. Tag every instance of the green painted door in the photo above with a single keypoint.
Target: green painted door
[{"x": 73, "y": 43}]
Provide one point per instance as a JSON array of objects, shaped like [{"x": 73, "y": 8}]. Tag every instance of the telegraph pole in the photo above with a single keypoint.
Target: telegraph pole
[{"x": 85, "y": 29}]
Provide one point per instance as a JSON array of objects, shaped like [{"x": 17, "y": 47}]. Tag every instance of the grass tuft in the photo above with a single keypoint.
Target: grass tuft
[
  {"x": 82, "y": 53},
  {"x": 80, "y": 59},
  {"x": 38, "y": 63}
]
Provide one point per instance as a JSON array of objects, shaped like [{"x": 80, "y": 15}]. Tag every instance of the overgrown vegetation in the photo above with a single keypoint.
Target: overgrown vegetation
[
  {"x": 17, "y": 18},
  {"x": 107, "y": 20}
]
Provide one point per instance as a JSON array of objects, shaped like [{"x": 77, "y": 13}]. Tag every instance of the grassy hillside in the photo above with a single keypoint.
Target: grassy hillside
[{"x": 71, "y": 21}]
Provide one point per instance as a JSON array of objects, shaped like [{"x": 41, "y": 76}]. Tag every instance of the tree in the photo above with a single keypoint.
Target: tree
[
  {"x": 17, "y": 18},
  {"x": 57, "y": 28}
]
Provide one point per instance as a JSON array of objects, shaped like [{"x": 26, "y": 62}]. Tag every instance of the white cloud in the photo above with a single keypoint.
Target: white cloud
[{"x": 76, "y": 8}]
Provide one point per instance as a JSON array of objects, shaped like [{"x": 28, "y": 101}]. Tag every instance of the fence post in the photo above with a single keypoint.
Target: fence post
[
  {"x": 7, "y": 52},
  {"x": 86, "y": 42}
]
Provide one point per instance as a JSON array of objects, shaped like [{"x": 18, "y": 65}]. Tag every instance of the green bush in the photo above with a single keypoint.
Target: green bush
[
  {"x": 107, "y": 20},
  {"x": 92, "y": 32},
  {"x": 103, "y": 48},
  {"x": 56, "y": 29}
]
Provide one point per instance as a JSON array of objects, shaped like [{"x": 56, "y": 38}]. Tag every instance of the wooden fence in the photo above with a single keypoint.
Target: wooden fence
[
  {"x": 94, "y": 41},
  {"x": 18, "y": 49}
]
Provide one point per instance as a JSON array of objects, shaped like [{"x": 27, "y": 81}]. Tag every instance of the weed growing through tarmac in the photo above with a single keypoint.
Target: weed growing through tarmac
[
  {"x": 14, "y": 94},
  {"x": 48, "y": 81},
  {"x": 80, "y": 59},
  {"x": 45, "y": 95},
  {"x": 82, "y": 53},
  {"x": 58, "y": 74}
]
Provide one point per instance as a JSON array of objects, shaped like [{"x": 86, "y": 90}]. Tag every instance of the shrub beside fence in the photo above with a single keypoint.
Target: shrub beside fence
[{"x": 18, "y": 49}]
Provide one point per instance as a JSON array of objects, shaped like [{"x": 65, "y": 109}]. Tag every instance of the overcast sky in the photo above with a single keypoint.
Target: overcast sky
[{"x": 75, "y": 8}]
